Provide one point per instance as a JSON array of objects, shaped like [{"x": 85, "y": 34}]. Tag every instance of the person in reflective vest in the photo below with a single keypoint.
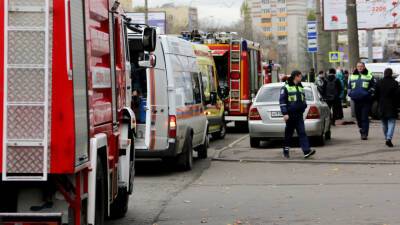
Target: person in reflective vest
[
  {"x": 293, "y": 104},
  {"x": 361, "y": 91}
]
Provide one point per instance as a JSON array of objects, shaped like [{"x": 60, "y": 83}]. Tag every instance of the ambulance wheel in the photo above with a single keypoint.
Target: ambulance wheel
[
  {"x": 119, "y": 207},
  {"x": 202, "y": 150},
  {"x": 185, "y": 160},
  {"x": 101, "y": 199},
  {"x": 221, "y": 133}
]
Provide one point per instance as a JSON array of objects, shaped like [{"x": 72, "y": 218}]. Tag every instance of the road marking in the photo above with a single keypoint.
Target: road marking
[{"x": 220, "y": 151}]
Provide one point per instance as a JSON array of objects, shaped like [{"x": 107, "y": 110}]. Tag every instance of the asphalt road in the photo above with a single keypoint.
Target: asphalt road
[
  {"x": 156, "y": 184},
  {"x": 330, "y": 190}
]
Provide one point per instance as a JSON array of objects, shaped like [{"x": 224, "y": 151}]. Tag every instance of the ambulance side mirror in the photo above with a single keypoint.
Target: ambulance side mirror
[
  {"x": 213, "y": 98},
  {"x": 149, "y": 61},
  {"x": 149, "y": 39}
]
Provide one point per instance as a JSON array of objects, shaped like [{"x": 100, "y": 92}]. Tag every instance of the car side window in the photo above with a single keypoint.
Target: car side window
[{"x": 196, "y": 88}]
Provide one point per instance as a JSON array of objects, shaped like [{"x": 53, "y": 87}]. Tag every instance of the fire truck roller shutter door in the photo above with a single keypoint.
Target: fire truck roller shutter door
[{"x": 79, "y": 80}]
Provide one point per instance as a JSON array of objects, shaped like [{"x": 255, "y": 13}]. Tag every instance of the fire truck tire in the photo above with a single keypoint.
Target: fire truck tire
[
  {"x": 119, "y": 207},
  {"x": 202, "y": 150},
  {"x": 185, "y": 160},
  {"x": 101, "y": 199}
]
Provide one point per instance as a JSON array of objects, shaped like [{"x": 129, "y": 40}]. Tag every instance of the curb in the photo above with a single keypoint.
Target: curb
[
  {"x": 309, "y": 161},
  {"x": 218, "y": 152}
]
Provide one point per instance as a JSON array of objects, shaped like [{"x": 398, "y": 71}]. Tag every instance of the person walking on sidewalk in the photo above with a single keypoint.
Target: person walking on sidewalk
[
  {"x": 293, "y": 105},
  {"x": 387, "y": 92},
  {"x": 332, "y": 90},
  {"x": 320, "y": 82},
  {"x": 362, "y": 91}
]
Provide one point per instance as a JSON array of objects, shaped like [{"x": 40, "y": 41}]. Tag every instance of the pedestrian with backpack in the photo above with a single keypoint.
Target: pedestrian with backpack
[{"x": 332, "y": 90}]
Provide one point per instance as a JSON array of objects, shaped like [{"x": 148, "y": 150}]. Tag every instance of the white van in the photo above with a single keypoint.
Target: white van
[{"x": 168, "y": 103}]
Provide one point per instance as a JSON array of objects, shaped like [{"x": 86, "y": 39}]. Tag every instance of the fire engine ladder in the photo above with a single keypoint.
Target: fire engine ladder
[
  {"x": 26, "y": 91},
  {"x": 235, "y": 68}
]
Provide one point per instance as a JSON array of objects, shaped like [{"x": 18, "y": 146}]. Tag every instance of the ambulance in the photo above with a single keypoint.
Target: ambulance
[{"x": 169, "y": 104}]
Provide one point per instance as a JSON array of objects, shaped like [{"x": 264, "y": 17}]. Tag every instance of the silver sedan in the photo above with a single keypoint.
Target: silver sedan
[{"x": 266, "y": 120}]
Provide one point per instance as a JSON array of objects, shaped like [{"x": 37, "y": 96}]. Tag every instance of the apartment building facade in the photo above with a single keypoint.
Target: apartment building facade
[{"x": 283, "y": 22}]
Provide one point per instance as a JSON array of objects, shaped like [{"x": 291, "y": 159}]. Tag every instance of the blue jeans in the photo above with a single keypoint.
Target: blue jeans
[
  {"x": 388, "y": 128},
  {"x": 296, "y": 122}
]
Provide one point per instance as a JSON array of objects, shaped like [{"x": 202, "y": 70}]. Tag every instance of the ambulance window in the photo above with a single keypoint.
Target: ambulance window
[
  {"x": 212, "y": 79},
  {"x": 188, "y": 88},
  {"x": 196, "y": 88}
]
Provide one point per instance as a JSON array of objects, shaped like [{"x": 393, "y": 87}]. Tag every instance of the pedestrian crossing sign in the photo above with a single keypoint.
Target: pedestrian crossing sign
[{"x": 334, "y": 57}]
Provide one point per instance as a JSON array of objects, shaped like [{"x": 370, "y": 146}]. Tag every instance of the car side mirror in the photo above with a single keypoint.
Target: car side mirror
[{"x": 213, "y": 98}]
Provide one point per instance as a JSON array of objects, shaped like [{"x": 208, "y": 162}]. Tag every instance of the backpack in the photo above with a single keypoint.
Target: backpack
[{"x": 331, "y": 92}]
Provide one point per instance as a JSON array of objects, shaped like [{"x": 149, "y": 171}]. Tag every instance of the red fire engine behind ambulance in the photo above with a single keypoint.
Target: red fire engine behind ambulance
[
  {"x": 67, "y": 126},
  {"x": 239, "y": 70}
]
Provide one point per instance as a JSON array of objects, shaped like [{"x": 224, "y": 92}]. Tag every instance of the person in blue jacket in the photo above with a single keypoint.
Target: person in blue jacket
[
  {"x": 293, "y": 104},
  {"x": 362, "y": 90}
]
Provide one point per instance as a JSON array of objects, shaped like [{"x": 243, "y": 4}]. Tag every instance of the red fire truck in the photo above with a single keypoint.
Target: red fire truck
[
  {"x": 67, "y": 132},
  {"x": 239, "y": 68}
]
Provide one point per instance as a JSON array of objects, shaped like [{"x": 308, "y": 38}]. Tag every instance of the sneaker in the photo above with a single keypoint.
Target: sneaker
[
  {"x": 364, "y": 137},
  {"x": 389, "y": 143},
  {"x": 286, "y": 153},
  {"x": 311, "y": 153}
]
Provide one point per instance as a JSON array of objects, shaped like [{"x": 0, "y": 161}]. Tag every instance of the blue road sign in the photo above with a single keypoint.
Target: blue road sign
[{"x": 312, "y": 36}]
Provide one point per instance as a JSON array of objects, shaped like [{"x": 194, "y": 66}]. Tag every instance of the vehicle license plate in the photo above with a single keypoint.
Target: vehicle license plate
[{"x": 276, "y": 114}]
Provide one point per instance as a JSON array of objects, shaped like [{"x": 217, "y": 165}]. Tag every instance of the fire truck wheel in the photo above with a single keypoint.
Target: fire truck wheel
[
  {"x": 100, "y": 193},
  {"x": 202, "y": 150},
  {"x": 185, "y": 160},
  {"x": 119, "y": 207}
]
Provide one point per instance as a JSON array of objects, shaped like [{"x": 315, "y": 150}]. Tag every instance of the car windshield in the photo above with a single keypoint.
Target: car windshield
[{"x": 271, "y": 94}]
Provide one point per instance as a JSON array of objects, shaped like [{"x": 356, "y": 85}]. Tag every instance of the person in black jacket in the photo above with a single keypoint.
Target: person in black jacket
[
  {"x": 293, "y": 104},
  {"x": 332, "y": 89},
  {"x": 387, "y": 92}
]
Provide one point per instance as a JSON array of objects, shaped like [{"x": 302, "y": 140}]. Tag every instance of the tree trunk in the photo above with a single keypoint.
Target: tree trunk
[
  {"x": 352, "y": 33},
  {"x": 324, "y": 41}
]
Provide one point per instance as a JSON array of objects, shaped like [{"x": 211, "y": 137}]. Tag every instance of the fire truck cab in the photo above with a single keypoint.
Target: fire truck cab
[
  {"x": 67, "y": 153},
  {"x": 239, "y": 69}
]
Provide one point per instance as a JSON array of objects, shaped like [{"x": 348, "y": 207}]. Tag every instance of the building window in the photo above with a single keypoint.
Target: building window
[
  {"x": 282, "y": 38},
  {"x": 265, "y": 1},
  {"x": 265, "y": 20},
  {"x": 282, "y": 1},
  {"x": 267, "y": 29},
  {"x": 266, "y": 11},
  {"x": 282, "y": 10},
  {"x": 281, "y": 28},
  {"x": 282, "y": 19},
  {"x": 270, "y": 38}
]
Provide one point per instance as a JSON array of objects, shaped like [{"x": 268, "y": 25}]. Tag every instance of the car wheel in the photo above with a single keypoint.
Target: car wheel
[
  {"x": 320, "y": 140},
  {"x": 254, "y": 142},
  {"x": 328, "y": 135},
  {"x": 185, "y": 160}
]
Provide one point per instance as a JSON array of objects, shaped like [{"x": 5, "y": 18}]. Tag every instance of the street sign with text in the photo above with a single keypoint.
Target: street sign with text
[{"x": 312, "y": 36}]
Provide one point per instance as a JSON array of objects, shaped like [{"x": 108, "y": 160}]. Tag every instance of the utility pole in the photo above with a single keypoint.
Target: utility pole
[
  {"x": 352, "y": 33},
  {"x": 146, "y": 12}
]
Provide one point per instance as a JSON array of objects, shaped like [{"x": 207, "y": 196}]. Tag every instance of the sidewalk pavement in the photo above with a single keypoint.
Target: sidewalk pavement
[{"x": 345, "y": 147}]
